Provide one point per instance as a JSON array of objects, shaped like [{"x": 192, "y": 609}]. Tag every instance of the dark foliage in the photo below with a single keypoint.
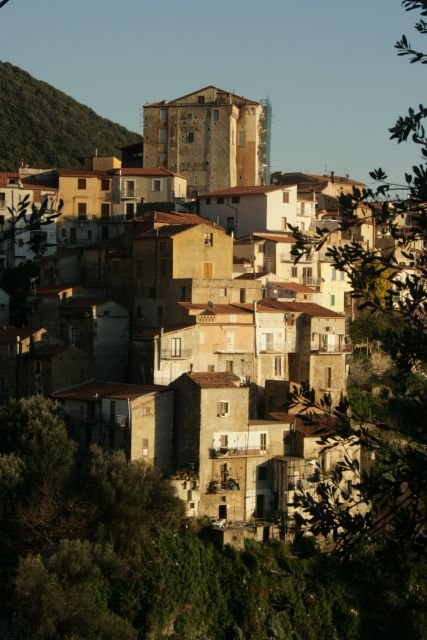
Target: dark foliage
[{"x": 43, "y": 127}]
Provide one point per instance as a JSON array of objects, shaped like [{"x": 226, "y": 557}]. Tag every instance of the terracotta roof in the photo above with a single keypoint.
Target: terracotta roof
[
  {"x": 301, "y": 176},
  {"x": 165, "y": 103},
  {"x": 293, "y": 286},
  {"x": 313, "y": 425},
  {"x": 215, "y": 308},
  {"x": 243, "y": 191},
  {"x": 168, "y": 231},
  {"x": 93, "y": 388},
  {"x": 5, "y": 177},
  {"x": 218, "y": 380},
  {"x": 309, "y": 308},
  {"x": 172, "y": 217}
]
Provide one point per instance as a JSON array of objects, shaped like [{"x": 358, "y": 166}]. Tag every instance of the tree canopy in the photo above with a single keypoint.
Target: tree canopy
[{"x": 390, "y": 509}]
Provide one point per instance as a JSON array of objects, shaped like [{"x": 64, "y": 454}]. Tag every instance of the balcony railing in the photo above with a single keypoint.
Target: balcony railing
[
  {"x": 177, "y": 354},
  {"x": 275, "y": 347},
  {"x": 129, "y": 193},
  {"x": 340, "y": 347},
  {"x": 309, "y": 281},
  {"x": 235, "y": 452},
  {"x": 232, "y": 348},
  {"x": 223, "y": 485}
]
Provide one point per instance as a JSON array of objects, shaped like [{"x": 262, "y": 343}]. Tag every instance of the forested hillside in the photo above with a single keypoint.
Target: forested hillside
[{"x": 43, "y": 127}]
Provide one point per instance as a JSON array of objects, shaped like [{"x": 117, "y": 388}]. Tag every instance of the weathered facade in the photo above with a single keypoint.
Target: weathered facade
[{"x": 214, "y": 138}]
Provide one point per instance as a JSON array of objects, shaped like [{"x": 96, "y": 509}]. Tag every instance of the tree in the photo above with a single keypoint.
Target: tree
[
  {"x": 390, "y": 509},
  {"x": 24, "y": 218}
]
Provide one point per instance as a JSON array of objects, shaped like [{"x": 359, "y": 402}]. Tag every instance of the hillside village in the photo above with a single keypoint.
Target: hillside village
[{"x": 169, "y": 316}]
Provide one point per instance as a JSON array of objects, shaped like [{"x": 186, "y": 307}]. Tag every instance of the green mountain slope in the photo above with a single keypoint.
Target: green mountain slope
[{"x": 43, "y": 127}]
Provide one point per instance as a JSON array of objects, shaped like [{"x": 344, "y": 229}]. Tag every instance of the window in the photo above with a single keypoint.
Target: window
[
  {"x": 242, "y": 295},
  {"x": 334, "y": 273},
  {"x": 241, "y": 139},
  {"x": 105, "y": 184},
  {"x": 176, "y": 347},
  {"x": 81, "y": 183},
  {"x": 105, "y": 233},
  {"x": 189, "y": 137},
  {"x": 201, "y": 99},
  {"x": 207, "y": 270},
  {"x": 208, "y": 239},
  {"x": 327, "y": 377},
  {"x": 331, "y": 300},
  {"x": 129, "y": 210},
  {"x": 163, "y": 136},
  {"x": 284, "y": 224},
  {"x": 156, "y": 186},
  {"x": 263, "y": 441},
  {"x": 220, "y": 200},
  {"x": 89, "y": 234},
  {"x": 183, "y": 294},
  {"x": 235, "y": 199},
  {"x": 145, "y": 447},
  {"x": 147, "y": 410},
  {"x": 223, "y": 440},
  {"x": 230, "y": 223},
  {"x": 342, "y": 275},
  {"x": 294, "y": 272},
  {"x": 277, "y": 366},
  {"x": 215, "y": 115},
  {"x": 211, "y": 368},
  {"x": 163, "y": 116},
  {"x": 105, "y": 210},
  {"x": 2, "y": 200},
  {"x": 223, "y": 409},
  {"x": 72, "y": 335},
  {"x": 189, "y": 116},
  {"x": 229, "y": 366},
  {"x": 208, "y": 200},
  {"x": 262, "y": 473},
  {"x": 286, "y": 197},
  {"x": 130, "y": 189},
  {"x": 82, "y": 210}
]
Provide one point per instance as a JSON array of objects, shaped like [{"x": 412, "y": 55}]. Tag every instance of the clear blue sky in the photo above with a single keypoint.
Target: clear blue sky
[{"x": 328, "y": 66}]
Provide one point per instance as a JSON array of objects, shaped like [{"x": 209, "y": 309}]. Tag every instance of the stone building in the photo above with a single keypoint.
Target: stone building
[{"x": 214, "y": 138}]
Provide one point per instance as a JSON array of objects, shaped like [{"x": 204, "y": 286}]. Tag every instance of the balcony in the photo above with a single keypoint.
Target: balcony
[
  {"x": 309, "y": 281},
  {"x": 322, "y": 346},
  {"x": 236, "y": 452},
  {"x": 232, "y": 348},
  {"x": 177, "y": 354},
  {"x": 216, "y": 486},
  {"x": 274, "y": 347},
  {"x": 130, "y": 194}
]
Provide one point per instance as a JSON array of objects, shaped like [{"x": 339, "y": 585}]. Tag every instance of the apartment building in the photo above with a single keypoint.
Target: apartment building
[{"x": 135, "y": 418}]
